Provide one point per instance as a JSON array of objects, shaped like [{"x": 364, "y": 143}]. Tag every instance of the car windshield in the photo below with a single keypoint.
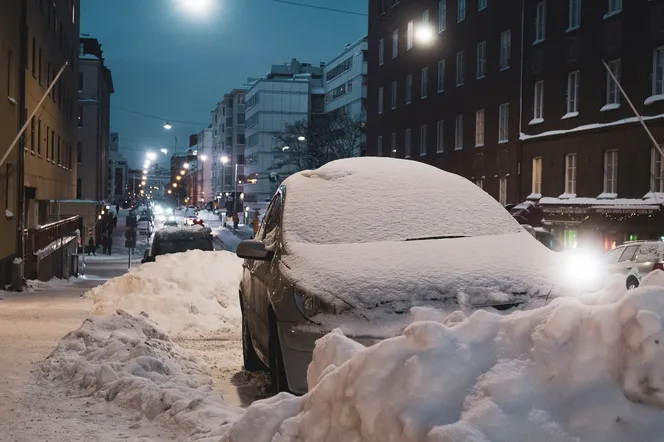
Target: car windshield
[{"x": 180, "y": 245}]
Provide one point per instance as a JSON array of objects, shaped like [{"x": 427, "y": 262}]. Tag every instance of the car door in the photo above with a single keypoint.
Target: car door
[
  {"x": 625, "y": 264},
  {"x": 263, "y": 276}
]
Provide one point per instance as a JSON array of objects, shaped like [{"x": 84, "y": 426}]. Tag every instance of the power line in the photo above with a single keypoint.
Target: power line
[
  {"x": 156, "y": 117},
  {"x": 322, "y": 8}
]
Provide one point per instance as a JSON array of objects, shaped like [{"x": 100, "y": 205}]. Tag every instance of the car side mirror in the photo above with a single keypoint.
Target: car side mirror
[
  {"x": 254, "y": 250},
  {"x": 147, "y": 257}
]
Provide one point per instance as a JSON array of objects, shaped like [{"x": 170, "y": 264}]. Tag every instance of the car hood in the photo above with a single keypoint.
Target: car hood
[{"x": 471, "y": 272}]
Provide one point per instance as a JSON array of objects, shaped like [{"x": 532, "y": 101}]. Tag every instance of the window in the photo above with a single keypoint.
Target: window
[
  {"x": 409, "y": 88},
  {"x": 611, "y": 171},
  {"x": 240, "y": 139},
  {"x": 612, "y": 90},
  {"x": 339, "y": 69},
  {"x": 440, "y": 134},
  {"x": 441, "y": 75},
  {"x": 272, "y": 221},
  {"x": 573, "y": 92},
  {"x": 34, "y": 57},
  {"x": 52, "y": 145},
  {"x": 11, "y": 76},
  {"x": 570, "y": 174},
  {"x": 461, "y": 11},
  {"x": 379, "y": 147},
  {"x": 615, "y": 6},
  {"x": 39, "y": 137},
  {"x": 393, "y": 97},
  {"x": 481, "y": 4},
  {"x": 480, "y": 183},
  {"x": 538, "y": 113},
  {"x": 458, "y": 132},
  {"x": 479, "y": 128},
  {"x": 395, "y": 43},
  {"x": 408, "y": 139},
  {"x": 425, "y": 17},
  {"x": 503, "y": 122},
  {"x": 381, "y": 52},
  {"x": 409, "y": 35},
  {"x": 537, "y": 176},
  {"x": 442, "y": 15},
  {"x": 425, "y": 82},
  {"x": 481, "y": 59},
  {"x": 505, "y": 49},
  {"x": 658, "y": 71},
  {"x": 380, "y": 100},
  {"x": 69, "y": 156},
  {"x": 32, "y": 135},
  {"x": 393, "y": 144},
  {"x": 423, "y": 140},
  {"x": 460, "y": 68},
  {"x": 41, "y": 57},
  {"x": 79, "y": 153},
  {"x": 574, "y": 14},
  {"x": 59, "y": 162},
  {"x": 656, "y": 171},
  {"x": 502, "y": 191},
  {"x": 540, "y": 22}
]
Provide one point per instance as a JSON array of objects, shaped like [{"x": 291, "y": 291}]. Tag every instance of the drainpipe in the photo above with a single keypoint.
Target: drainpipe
[
  {"x": 519, "y": 147},
  {"x": 22, "y": 65}
]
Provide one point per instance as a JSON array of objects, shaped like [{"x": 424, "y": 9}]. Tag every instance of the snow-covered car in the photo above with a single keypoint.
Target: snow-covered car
[
  {"x": 368, "y": 244},
  {"x": 178, "y": 240},
  {"x": 145, "y": 226}
]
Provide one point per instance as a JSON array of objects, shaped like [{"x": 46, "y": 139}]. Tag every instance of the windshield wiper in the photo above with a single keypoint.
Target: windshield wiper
[{"x": 425, "y": 238}]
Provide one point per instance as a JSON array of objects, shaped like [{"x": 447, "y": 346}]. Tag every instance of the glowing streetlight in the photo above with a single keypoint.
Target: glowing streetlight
[
  {"x": 225, "y": 160},
  {"x": 301, "y": 138},
  {"x": 143, "y": 183},
  {"x": 151, "y": 156},
  {"x": 175, "y": 184},
  {"x": 178, "y": 178},
  {"x": 203, "y": 157},
  {"x": 145, "y": 171},
  {"x": 242, "y": 196},
  {"x": 182, "y": 172},
  {"x": 168, "y": 126},
  {"x": 196, "y": 8},
  {"x": 145, "y": 177},
  {"x": 285, "y": 148},
  {"x": 424, "y": 34},
  {"x": 164, "y": 151},
  {"x": 170, "y": 191},
  {"x": 185, "y": 165}
]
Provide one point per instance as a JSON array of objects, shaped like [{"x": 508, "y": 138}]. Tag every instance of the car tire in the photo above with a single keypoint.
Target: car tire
[
  {"x": 252, "y": 362},
  {"x": 632, "y": 283},
  {"x": 278, "y": 379}
]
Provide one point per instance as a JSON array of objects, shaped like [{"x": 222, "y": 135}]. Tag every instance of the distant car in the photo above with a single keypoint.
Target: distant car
[
  {"x": 450, "y": 247},
  {"x": 634, "y": 260},
  {"x": 178, "y": 240},
  {"x": 145, "y": 225},
  {"x": 170, "y": 223}
]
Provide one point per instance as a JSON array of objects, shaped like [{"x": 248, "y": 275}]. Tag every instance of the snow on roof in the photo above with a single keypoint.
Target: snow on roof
[
  {"x": 570, "y": 371},
  {"x": 648, "y": 200},
  {"x": 371, "y": 199},
  {"x": 586, "y": 127}
]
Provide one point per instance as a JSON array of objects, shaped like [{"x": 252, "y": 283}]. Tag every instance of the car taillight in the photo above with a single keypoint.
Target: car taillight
[{"x": 658, "y": 266}]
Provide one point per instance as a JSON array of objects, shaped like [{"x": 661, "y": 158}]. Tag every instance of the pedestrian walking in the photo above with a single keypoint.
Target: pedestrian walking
[
  {"x": 104, "y": 244},
  {"x": 236, "y": 221},
  {"x": 117, "y": 209},
  {"x": 91, "y": 246},
  {"x": 110, "y": 244}
]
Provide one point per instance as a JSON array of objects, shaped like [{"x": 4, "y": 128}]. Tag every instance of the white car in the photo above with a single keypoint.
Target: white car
[{"x": 145, "y": 227}]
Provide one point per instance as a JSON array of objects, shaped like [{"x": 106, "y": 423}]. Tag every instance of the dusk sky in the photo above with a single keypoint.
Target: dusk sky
[{"x": 173, "y": 64}]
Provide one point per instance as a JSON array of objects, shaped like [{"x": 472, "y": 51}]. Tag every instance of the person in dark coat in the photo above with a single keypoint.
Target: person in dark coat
[
  {"x": 110, "y": 243},
  {"x": 104, "y": 244},
  {"x": 91, "y": 246}
]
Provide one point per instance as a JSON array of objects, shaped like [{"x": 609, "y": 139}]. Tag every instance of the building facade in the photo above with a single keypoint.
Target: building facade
[
  {"x": 444, "y": 87},
  {"x": 95, "y": 86},
  {"x": 288, "y": 93},
  {"x": 205, "y": 156},
  {"x": 118, "y": 169},
  {"x": 587, "y": 161},
  {"x": 345, "y": 81}
]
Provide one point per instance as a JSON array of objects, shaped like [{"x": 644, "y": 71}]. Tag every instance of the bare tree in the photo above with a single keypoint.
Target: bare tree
[{"x": 308, "y": 146}]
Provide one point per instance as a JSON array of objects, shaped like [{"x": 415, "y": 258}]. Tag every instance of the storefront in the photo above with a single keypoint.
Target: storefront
[{"x": 602, "y": 224}]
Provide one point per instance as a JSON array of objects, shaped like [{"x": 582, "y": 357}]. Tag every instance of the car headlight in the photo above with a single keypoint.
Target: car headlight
[{"x": 311, "y": 306}]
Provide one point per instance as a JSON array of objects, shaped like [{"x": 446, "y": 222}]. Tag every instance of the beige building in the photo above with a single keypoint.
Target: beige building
[
  {"x": 9, "y": 124},
  {"x": 95, "y": 86}
]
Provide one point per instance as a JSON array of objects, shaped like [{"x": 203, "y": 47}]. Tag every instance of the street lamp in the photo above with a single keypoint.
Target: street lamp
[
  {"x": 145, "y": 171},
  {"x": 424, "y": 34},
  {"x": 285, "y": 148},
  {"x": 164, "y": 151},
  {"x": 182, "y": 172},
  {"x": 168, "y": 126},
  {"x": 185, "y": 165},
  {"x": 203, "y": 157},
  {"x": 170, "y": 191},
  {"x": 175, "y": 184},
  {"x": 178, "y": 177},
  {"x": 301, "y": 138},
  {"x": 225, "y": 160},
  {"x": 143, "y": 183},
  {"x": 145, "y": 177},
  {"x": 151, "y": 156}
]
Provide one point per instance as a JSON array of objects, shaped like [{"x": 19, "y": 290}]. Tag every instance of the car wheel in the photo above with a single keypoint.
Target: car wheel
[
  {"x": 632, "y": 283},
  {"x": 278, "y": 380},
  {"x": 251, "y": 360}
]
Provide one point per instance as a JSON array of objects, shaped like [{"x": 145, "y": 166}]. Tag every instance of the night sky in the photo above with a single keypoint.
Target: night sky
[{"x": 175, "y": 64}]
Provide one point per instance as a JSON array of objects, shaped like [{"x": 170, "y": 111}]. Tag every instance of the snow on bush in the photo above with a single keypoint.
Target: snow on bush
[
  {"x": 575, "y": 370},
  {"x": 127, "y": 360},
  {"x": 186, "y": 294}
]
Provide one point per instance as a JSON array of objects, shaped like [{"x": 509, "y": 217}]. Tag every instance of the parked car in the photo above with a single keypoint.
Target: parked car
[
  {"x": 359, "y": 242},
  {"x": 178, "y": 240},
  {"x": 145, "y": 225},
  {"x": 635, "y": 259}
]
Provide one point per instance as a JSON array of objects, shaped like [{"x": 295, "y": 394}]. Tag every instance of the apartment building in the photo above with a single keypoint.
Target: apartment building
[
  {"x": 444, "y": 87},
  {"x": 587, "y": 161},
  {"x": 204, "y": 146},
  {"x": 289, "y": 93},
  {"x": 118, "y": 169},
  {"x": 345, "y": 81},
  {"x": 95, "y": 86}
]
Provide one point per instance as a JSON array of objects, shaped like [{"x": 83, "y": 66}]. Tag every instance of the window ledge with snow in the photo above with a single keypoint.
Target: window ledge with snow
[
  {"x": 458, "y": 148},
  {"x": 609, "y": 107},
  {"x": 573, "y": 28},
  {"x": 479, "y": 145},
  {"x": 607, "y": 196},
  {"x": 535, "y": 121},
  {"x": 9, "y": 214},
  {"x": 534, "y": 196},
  {"x": 12, "y": 100},
  {"x": 536, "y": 42},
  {"x": 566, "y": 196},
  {"x": 569, "y": 115},
  {"x": 503, "y": 141},
  {"x": 654, "y": 99},
  {"x": 612, "y": 13}
]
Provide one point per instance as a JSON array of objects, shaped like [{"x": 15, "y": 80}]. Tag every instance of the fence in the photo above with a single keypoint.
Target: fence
[{"x": 48, "y": 247}]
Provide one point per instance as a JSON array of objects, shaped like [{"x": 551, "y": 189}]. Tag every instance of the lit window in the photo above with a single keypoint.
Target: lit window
[
  {"x": 570, "y": 174},
  {"x": 611, "y": 171},
  {"x": 502, "y": 191},
  {"x": 537, "y": 176},
  {"x": 479, "y": 128}
]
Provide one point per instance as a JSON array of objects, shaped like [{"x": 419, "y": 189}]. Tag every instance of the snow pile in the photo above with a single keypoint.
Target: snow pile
[
  {"x": 186, "y": 294},
  {"x": 127, "y": 360},
  {"x": 589, "y": 370}
]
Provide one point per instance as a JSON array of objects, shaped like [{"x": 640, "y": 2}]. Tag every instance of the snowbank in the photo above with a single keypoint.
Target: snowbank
[
  {"x": 589, "y": 370},
  {"x": 186, "y": 294},
  {"x": 127, "y": 360}
]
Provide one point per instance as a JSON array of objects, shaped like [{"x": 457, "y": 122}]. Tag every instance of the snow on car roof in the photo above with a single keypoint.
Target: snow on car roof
[
  {"x": 174, "y": 232},
  {"x": 371, "y": 199}
]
